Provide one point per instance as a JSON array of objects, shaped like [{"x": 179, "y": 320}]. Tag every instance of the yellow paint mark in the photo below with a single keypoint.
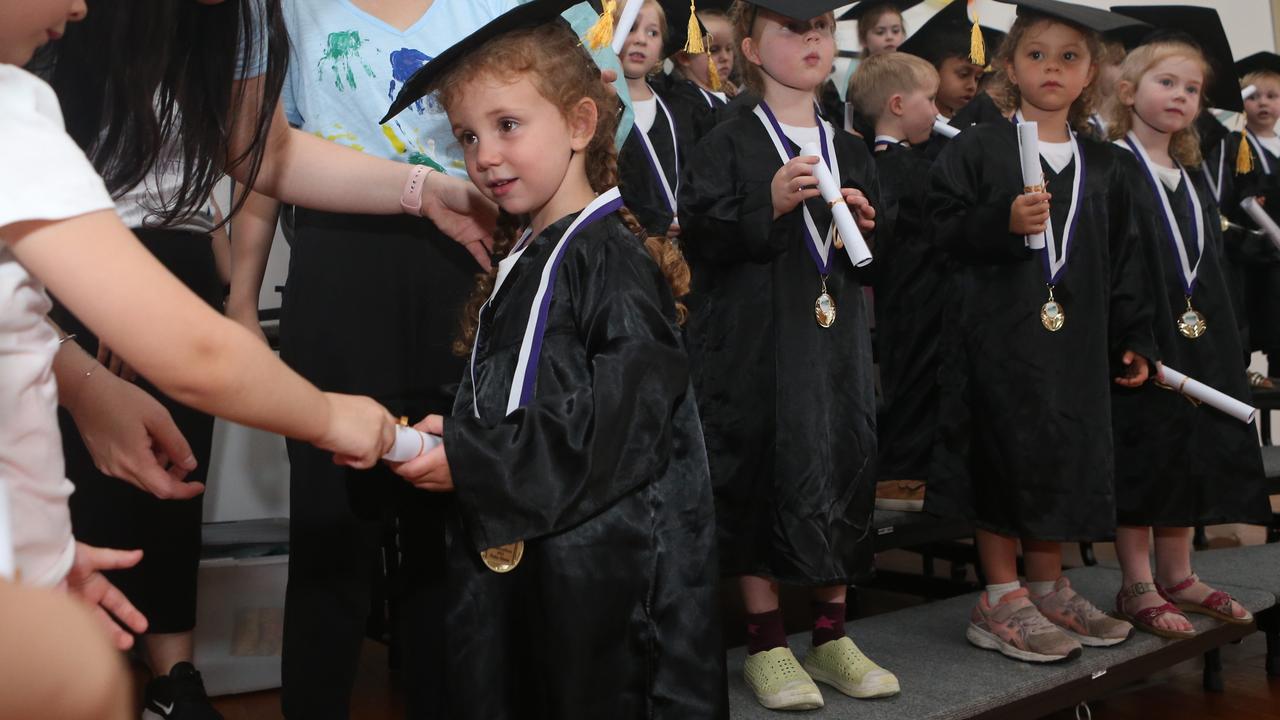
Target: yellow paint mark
[{"x": 396, "y": 143}]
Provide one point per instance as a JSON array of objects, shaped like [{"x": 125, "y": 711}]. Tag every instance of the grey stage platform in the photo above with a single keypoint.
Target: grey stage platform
[{"x": 945, "y": 678}]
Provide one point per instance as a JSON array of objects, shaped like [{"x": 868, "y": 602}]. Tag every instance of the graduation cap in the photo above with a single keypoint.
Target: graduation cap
[
  {"x": 530, "y": 15},
  {"x": 1258, "y": 62},
  {"x": 857, "y": 11},
  {"x": 799, "y": 9},
  {"x": 1090, "y": 18},
  {"x": 945, "y": 33},
  {"x": 685, "y": 32},
  {"x": 1201, "y": 27}
]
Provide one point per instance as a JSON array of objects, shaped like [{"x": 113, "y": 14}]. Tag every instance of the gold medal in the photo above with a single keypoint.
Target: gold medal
[
  {"x": 504, "y": 558},
  {"x": 1191, "y": 322},
  {"x": 824, "y": 308},
  {"x": 1052, "y": 316}
]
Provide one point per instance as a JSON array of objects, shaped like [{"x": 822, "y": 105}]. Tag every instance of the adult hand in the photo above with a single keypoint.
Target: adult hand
[
  {"x": 360, "y": 431},
  {"x": 86, "y": 582},
  {"x": 462, "y": 213}
]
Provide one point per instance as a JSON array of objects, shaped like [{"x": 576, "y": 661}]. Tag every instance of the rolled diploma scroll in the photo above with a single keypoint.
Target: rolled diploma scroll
[
  {"x": 625, "y": 23},
  {"x": 1197, "y": 390},
  {"x": 1248, "y": 92},
  {"x": 854, "y": 244},
  {"x": 1032, "y": 175},
  {"x": 411, "y": 443},
  {"x": 1264, "y": 221},
  {"x": 7, "y": 565},
  {"x": 943, "y": 127}
]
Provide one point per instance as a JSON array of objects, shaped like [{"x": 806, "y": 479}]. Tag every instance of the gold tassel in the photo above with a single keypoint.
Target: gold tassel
[
  {"x": 1244, "y": 157},
  {"x": 601, "y": 33},
  {"x": 977, "y": 46},
  {"x": 695, "y": 45},
  {"x": 713, "y": 75}
]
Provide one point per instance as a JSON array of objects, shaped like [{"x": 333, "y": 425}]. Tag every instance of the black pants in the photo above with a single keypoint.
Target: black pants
[
  {"x": 371, "y": 306},
  {"x": 107, "y": 512}
]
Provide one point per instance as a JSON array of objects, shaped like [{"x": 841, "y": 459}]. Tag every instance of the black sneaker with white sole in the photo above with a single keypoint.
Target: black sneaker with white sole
[{"x": 179, "y": 695}]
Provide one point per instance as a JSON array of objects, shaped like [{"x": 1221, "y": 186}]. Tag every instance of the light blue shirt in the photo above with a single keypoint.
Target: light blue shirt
[{"x": 346, "y": 66}]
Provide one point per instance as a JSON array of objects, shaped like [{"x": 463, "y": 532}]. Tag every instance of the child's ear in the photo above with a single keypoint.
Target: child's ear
[
  {"x": 895, "y": 104},
  {"x": 1126, "y": 93},
  {"x": 583, "y": 120},
  {"x": 750, "y": 51}
]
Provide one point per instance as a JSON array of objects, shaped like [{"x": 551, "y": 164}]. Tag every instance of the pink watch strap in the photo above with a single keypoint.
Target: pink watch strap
[{"x": 411, "y": 198}]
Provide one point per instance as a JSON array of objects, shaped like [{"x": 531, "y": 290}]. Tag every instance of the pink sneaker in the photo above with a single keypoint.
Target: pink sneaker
[
  {"x": 1015, "y": 628},
  {"x": 1080, "y": 618}
]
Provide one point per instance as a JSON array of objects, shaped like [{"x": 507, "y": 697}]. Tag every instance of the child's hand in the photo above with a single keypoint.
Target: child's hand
[
  {"x": 794, "y": 184},
  {"x": 86, "y": 582},
  {"x": 1029, "y": 214},
  {"x": 360, "y": 431},
  {"x": 431, "y": 471},
  {"x": 863, "y": 213},
  {"x": 1136, "y": 370}
]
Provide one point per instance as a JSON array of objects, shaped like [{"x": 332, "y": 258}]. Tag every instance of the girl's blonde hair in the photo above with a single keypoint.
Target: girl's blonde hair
[
  {"x": 1184, "y": 146},
  {"x": 552, "y": 58},
  {"x": 1006, "y": 92},
  {"x": 744, "y": 15}
]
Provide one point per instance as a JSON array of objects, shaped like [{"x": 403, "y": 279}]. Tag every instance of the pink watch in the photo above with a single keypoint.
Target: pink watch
[{"x": 411, "y": 198}]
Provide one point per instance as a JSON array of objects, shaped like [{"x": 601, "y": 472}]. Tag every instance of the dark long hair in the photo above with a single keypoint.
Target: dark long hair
[{"x": 136, "y": 73}]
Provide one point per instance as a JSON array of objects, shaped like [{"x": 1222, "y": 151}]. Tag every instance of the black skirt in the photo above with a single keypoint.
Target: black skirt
[{"x": 107, "y": 512}]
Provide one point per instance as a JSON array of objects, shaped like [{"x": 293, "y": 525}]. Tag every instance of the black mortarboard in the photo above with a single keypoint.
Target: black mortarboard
[
  {"x": 950, "y": 32},
  {"x": 1200, "y": 26},
  {"x": 799, "y": 9},
  {"x": 1264, "y": 61},
  {"x": 857, "y": 11},
  {"x": 531, "y": 14},
  {"x": 1091, "y": 18}
]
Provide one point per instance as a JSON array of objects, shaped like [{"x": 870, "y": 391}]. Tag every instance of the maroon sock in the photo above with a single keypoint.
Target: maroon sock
[
  {"x": 765, "y": 631},
  {"x": 828, "y": 622}
]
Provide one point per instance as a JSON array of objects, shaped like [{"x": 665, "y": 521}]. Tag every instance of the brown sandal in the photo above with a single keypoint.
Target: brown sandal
[
  {"x": 1217, "y": 605},
  {"x": 1146, "y": 617}
]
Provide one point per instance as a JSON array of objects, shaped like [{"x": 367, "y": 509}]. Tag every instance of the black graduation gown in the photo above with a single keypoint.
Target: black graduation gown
[
  {"x": 981, "y": 109},
  {"x": 1024, "y": 417},
  {"x": 703, "y": 106},
  {"x": 908, "y": 304},
  {"x": 641, "y": 190},
  {"x": 1179, "y": 465},
  {"x": 612, "y": 613},
  {"x": 1256, "y": 260},
  {"x": 788, "y": 407}
]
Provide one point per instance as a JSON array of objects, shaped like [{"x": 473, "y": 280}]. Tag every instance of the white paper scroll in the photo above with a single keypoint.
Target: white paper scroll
[
  {"x": 854, "y": 244},
  {"x": 625, "y": 23},
  {"x": 7, "y": 566},
  {"x": 411, "y": 443},
  {"x": 1200, "y": 392},
  {"x": 943, "y": 127},
  {"x": 1248, "y": 92},
  {"x": 1264, "y": 221},
  {"x": 1032, "y": 175}
]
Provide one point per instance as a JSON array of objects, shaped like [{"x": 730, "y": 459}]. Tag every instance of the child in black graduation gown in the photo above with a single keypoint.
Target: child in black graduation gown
[
  {"x": 895, "y": 91},
  {"x": 665, "y": 132},
  {"x": 581, "y": 566},
  {"x": 1178, "y": 465},
  {"x": 1025, "y": 416},
  {"x": 705, "y": 79},
  {"x": 1257, "y": 152},
  {"x": 784, "y": 378}
]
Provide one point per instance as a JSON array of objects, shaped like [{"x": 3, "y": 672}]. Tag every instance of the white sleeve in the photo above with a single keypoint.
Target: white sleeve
[{"x": 45, "y": 175}]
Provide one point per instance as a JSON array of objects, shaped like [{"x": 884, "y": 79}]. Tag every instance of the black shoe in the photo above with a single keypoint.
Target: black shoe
[{"x": 179, "y": 695}]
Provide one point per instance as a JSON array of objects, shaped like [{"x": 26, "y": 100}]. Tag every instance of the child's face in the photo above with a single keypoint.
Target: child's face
[
  {"x": 1052, "y": 66},
  {"x": 516, "y": 143},
  {"x": 1168, "y": 95},
  {"x": 1261, "y": 109},
  {"x": 885, "y": 36},
  {"x": 643, "y": 49},
  {"x": 795, "y": 53},
  {"x": 918, "y": 114},
  {"x": 25, "y": 25},
  {"x": 958, "y": 83}
]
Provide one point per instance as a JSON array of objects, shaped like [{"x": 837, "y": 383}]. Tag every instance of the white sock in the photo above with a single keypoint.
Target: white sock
[
  {"x": 1040, "y": 589},
  {"x": 995, "y": 592}
]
